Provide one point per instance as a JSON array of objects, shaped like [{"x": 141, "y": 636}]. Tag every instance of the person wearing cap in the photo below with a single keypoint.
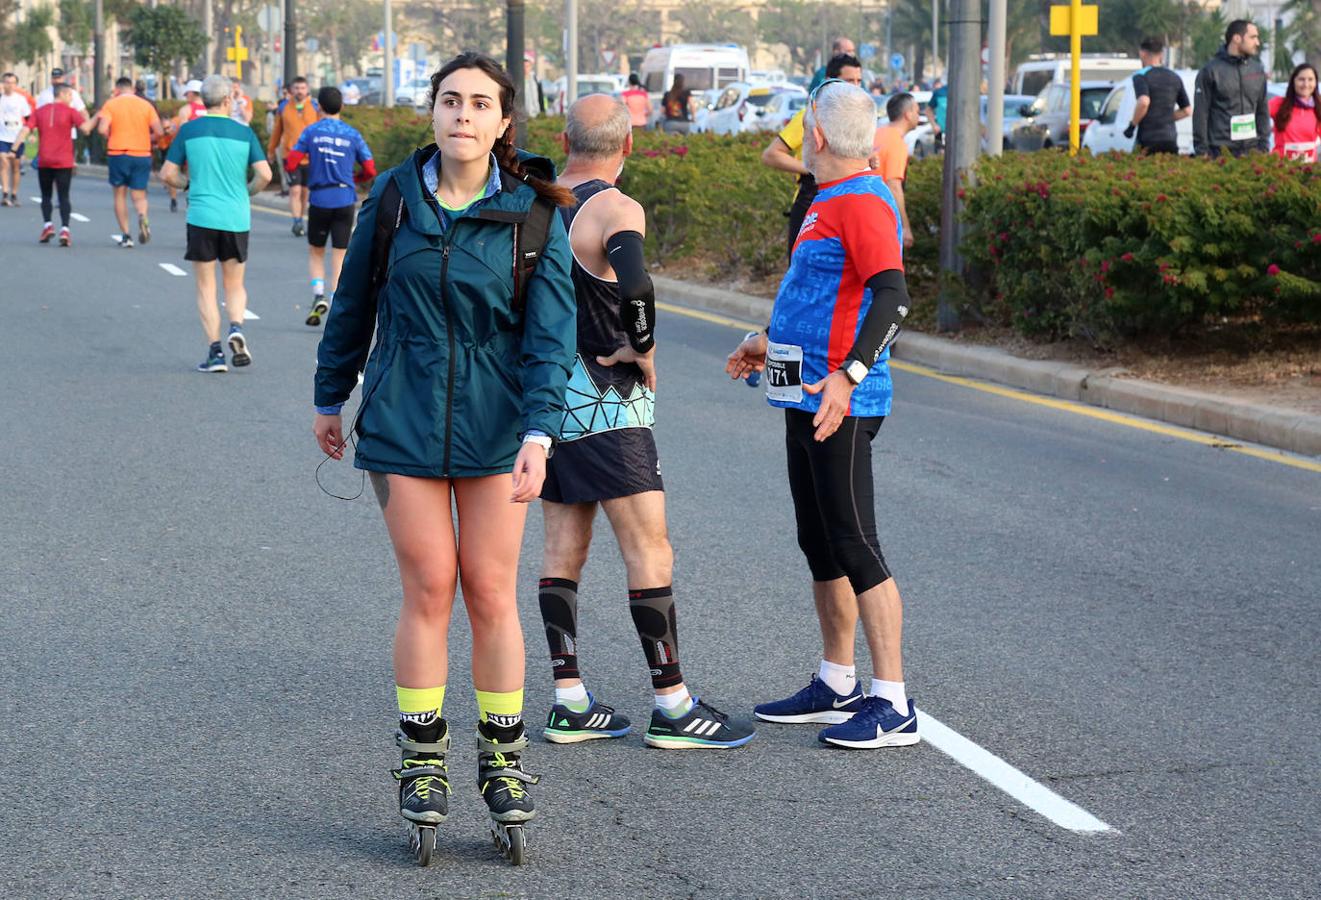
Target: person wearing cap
[
  {"x": 48, "y": 95},
  {"x": 193, "y": 108},
  {"x": 529, "y": 93}
]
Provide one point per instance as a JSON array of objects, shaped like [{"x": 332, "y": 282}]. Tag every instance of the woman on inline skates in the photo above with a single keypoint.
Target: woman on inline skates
[{"x": 461, "y": 267}]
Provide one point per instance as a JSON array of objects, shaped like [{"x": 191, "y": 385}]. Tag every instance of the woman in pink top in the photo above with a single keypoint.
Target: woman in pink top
[
  {"x": 1295, "y": 116},
  {"x": 637, "y": 101}
]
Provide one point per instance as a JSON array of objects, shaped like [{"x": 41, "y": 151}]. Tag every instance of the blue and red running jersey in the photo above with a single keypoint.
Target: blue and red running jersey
[
  {"x": 850, "y": 233},
  {"x": 332, "y": 148}
]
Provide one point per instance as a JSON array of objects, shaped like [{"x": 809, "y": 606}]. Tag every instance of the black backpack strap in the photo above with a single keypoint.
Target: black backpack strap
[
  {"x": 389, "y": 216},
  {"x": 530, "y": 239}
]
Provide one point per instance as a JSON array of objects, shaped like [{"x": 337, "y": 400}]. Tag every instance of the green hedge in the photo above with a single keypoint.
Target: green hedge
[{"x": 1121, "y": 245}]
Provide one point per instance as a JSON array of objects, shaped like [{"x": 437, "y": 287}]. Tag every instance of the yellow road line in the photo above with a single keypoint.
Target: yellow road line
[{"x": 1092, "y": 412}]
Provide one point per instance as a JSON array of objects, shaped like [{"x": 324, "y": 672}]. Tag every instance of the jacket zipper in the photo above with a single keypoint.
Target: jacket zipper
[{"x": 449, "y": 331}]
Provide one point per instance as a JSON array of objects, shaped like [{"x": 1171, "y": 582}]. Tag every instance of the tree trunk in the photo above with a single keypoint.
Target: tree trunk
[{"x": 335, "y": 61}]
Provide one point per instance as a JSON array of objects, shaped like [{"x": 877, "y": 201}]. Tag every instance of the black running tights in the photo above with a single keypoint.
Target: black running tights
[{"x": 60, "y": 179}]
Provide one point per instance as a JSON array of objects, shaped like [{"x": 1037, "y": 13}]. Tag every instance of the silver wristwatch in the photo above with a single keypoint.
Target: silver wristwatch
[
  {"x": 542, "y": 441},
  {"x": 856, "y": 371}
]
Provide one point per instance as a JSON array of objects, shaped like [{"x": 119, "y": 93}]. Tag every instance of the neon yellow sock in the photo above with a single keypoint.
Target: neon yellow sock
[
  {"x": 500, "y": 703},
  {"x": 419, "y": 700}
]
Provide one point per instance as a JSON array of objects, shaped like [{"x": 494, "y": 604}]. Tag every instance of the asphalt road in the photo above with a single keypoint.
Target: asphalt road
[{"x": 195, "y": 639}]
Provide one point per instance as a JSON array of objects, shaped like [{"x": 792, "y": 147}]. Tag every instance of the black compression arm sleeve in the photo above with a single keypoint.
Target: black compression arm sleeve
[
  {"x": 889, "y": 305},
  {"x": 637, "y": 296}
]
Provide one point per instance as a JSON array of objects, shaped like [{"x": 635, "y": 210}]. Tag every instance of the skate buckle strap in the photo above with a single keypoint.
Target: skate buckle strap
[
  {"x": 489, "y": 772},
  {"x": 441, "y": 747},
  {"x": 486, "y": 745},
  {"x": 408, "y": 773}
]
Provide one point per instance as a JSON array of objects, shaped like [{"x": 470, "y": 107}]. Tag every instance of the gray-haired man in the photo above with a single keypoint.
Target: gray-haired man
[
  {"x": 825, "y": 358},
  {"x": 606, "y": 454},
  {"x": 226, "y": 165}
]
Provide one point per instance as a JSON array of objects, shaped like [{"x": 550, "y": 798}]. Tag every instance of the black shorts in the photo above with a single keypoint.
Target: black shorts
[
  {"x": 1160, "y": 147},
  {"x": 603, "y": 466},
  {"x": 209, "y": 245},
  {"x": 336, "y": 224},
  {"x": 298, "y": 177}
]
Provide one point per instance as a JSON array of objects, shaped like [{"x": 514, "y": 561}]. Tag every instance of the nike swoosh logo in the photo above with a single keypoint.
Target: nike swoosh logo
[
  {"x": 617, "y": 248},
  {"x": 847, "y": 701}
]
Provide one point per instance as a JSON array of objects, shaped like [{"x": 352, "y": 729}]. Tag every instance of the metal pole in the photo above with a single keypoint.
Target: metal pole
[
  {"x": 290, "y": 43},
  {"x": 571, "y": 54},
  {"x": 209, "y": 26},
  {"x": 1075, "y": 77},
  {"x": 995, "y": 100},
  {"x": 387, "y": 58},
  {"x": 962, "y": 136},
  {"x": 514, "y": 44},
  {"x": 935, "y": 39},
  {"x": 98, "y": 51}
]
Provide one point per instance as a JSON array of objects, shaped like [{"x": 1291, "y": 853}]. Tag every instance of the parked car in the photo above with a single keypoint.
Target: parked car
[
  {"x": 1107, "y": 132},
  {"x": 1046, "y": 121},
  {"x": 703, "y": 103},
  {"x": 742, "y": 106},
  {"x": 1042, "y": 70},
  {"x": 587, "y": 84},
  {"x": 1013, "y": 116},
  {"x": 782, "y": 107},
  {"x": 356, "y": 89},
  {"x": 416, "y": 93}
]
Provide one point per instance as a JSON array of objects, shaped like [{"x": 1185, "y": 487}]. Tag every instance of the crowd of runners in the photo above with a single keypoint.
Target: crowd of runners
[{"x": 503, "y": 324}]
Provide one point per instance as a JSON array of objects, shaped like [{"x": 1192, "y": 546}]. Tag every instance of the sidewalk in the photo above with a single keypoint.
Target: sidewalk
[{"x": 1279, "y": 427}]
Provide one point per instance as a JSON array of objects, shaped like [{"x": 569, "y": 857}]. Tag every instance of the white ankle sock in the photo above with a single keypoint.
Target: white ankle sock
[
  {"x": 574, "y": 697},
  {"x": 840, "y": 679},
  {"x": 677, "y": 703},
  {"x": 892, "y": 691}
]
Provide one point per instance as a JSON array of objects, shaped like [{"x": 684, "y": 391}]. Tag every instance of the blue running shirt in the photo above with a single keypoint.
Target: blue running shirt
[{"x": 333, "y": 149}]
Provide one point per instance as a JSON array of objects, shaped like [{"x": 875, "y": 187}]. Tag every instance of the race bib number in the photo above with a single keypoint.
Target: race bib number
[
  {"x": 1243, "y": 128},
  {"x": 1304, "y": 152},
  {"x": 784, "y": 372}
]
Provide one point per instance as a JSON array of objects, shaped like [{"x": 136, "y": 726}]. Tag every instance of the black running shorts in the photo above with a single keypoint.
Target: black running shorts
[
  {"x": 604, "y": 466},
  {"x": 209, "y": 245},
  {"x": 335, "y": 224}
]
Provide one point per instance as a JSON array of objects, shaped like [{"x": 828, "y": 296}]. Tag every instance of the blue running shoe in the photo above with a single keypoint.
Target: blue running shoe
[
  {"x": 701, "y": 728},
  {"x": 564, "y": 726},
  {"x": 877, "y": 724},
  {"x": 213, "y": 364},
  {"x": 814, "y": 703}
]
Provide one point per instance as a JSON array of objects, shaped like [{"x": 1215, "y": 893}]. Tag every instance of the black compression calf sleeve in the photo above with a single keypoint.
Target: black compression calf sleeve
[
  {"x": 637, "y": 296},
  {"x": 658, "y": 629},
  {"x": 889, "y": 306},
  {"x": 559, "y": 612}
]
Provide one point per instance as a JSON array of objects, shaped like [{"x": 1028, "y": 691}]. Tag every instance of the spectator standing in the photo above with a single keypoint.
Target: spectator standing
[
  {"x": 130, "y": 125},
  {"x": 1294, "y": 115},
  {"x": 55, "y": 124},
  {"x": 889, "y": 157},
  {"x": 1229, "y": 109},
  {"x": 637, "y": 101},
  {"x": 333, "y": 149},
  {"x": 240, "y": 104},
  {"x": 841, "y": 47},
  {"x": 295, "y": 114},
  {"x": 58, "y": 78},
  {"x": 530, "y": 94},
  {"x": 937, "y": 106},
  {"x": 14, "y": 111},
  {"x": 1161, "y": 101},
  {"x": 226, "y": 167},
  {"x": 785, "y": 151},
  {"x": 677, "y": 106}
]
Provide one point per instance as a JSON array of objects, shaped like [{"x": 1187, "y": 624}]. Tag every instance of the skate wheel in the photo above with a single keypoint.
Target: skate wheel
[
  {"x": 517, "y": 846},
  {"x": 424, "y": 843}
]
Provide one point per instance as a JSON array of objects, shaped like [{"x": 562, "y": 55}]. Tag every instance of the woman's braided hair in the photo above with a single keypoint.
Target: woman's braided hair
[{"x": 506, "y": 155}]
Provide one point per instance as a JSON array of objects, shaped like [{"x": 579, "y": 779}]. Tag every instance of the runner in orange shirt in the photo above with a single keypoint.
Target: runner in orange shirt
[
  {"x": 130, "y": 125},
  {"x": 294, "y": 115},
  {"x": 890, "y": 153}
]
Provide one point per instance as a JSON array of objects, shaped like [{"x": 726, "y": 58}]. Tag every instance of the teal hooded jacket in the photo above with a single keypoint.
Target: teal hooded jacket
[{"x": 456, "y": 377}]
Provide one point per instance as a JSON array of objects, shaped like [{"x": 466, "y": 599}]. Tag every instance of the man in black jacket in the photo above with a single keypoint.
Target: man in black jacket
[{"x": 1229, "y": 107}]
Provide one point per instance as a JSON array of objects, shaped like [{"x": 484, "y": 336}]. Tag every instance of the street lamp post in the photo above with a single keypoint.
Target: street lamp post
[
  {"x": 514, "y": 42},
  {"x": 962, "y": 135},
  {"x": 98, "y": 51},
  {"x": 387, "y": 58},
  {"x": 570, "y": 54},
  {"x": 290, "y": 43}
]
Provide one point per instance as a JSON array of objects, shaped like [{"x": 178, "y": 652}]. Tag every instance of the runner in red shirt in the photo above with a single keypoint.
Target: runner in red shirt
[
  {"x": 54, "y": 124},
  {"x": 1295, "y": 117}
]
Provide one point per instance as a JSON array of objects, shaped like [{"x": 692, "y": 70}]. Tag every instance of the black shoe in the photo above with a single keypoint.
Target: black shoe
[
  {"x": 174, "y": 204},
  {"x": 319, "y": 308},
  {"x": 424, "y": 785},
  {"x": 500, "y": 773},
  {"x": 598, "y": 721},
  {"x": 702, "y": 728}
]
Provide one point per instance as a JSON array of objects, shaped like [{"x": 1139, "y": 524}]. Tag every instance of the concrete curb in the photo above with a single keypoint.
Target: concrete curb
[{"x": 1286, "y": 429}]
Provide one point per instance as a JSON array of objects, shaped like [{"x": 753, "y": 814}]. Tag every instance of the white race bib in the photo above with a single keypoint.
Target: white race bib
[
  {"x": 784, "y": 372},
  {"x": 1243, "y": 128},
  {"x": 1305, "y": 152}
]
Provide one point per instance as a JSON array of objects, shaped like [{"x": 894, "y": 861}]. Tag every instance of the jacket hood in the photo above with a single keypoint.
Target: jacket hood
[
  {"x": 512, "y": 203},
  {"x": 1224, "y": 54}
]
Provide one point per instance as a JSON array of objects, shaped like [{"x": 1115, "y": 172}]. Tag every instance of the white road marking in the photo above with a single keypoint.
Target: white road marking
[
  {"x": 1030, "y": 793},
  {"x": 173, "y": 269},
  {"x": 79, "y": 217},
  {"x": 35, "y": 199},
  {"x": 249, "y": 315}
]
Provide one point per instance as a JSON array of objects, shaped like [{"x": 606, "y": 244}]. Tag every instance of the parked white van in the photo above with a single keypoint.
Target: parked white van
[
  {"x": 703, "y": 67},
  {"x": 1043, "y": 69}
]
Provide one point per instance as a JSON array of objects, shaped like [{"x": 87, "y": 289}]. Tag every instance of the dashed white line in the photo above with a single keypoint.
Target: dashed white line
[
  {"x": 249, "y": 315},
  {"x": 1030, "y": 793},
  {"x": 79, "y": 217},
  {"x": 173, "y": 269},
  {"x": 35, "y": 199}
]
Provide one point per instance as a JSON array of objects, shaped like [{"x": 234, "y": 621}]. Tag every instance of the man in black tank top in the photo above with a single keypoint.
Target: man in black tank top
[
  {"x": 1161, "y": 101},
  {"x": 606, "y": 454}
]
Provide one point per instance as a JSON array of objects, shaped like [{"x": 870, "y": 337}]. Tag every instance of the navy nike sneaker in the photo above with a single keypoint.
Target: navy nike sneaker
[
  {"x": 877, "y": 724},
  {"x": 815, "y": 703}
]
